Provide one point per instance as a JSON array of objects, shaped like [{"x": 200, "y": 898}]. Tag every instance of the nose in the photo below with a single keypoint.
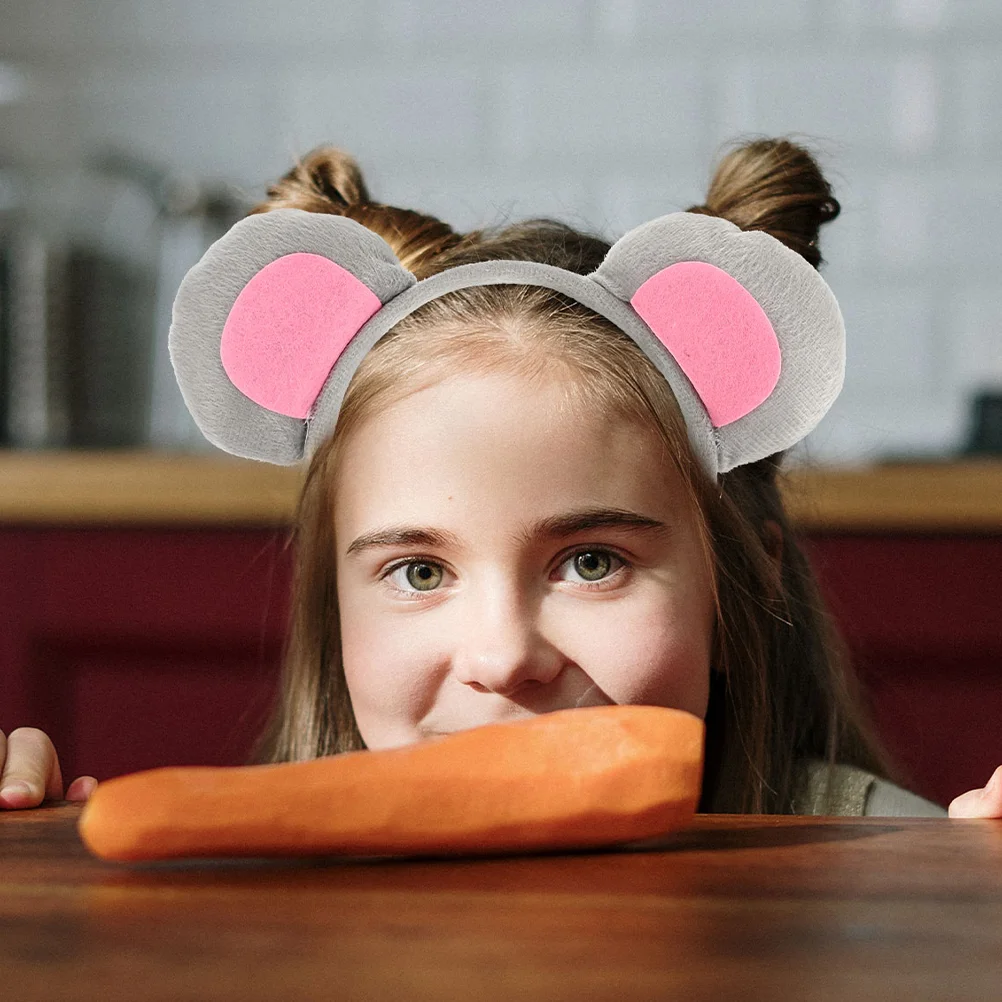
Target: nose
[{"x": 502, "y": 646}]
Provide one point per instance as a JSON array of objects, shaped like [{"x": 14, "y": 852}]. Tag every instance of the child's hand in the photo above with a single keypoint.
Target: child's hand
[
  {"x": 29, "y": 771},
  {"x": 985, "y": 803}
]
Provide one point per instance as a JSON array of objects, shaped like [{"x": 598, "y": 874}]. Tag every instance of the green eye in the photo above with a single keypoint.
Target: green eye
[
  {"x": 592, "y": 565},
  {"x": 423, "y": 577}
]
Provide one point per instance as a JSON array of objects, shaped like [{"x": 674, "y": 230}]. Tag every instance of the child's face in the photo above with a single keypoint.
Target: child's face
[{"x": 491, "y": 623}]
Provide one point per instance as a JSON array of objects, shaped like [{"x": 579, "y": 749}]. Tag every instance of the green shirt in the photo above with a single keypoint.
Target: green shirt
[{"x": 857, "y": 793}]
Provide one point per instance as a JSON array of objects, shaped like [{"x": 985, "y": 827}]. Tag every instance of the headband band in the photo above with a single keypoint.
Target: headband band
[{"x": 270, "y": 325}]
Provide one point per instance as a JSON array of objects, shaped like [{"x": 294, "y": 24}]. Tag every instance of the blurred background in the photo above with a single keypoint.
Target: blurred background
[
  {"x": 144, "y": 575},
  {"x": 133, "y": 131}
]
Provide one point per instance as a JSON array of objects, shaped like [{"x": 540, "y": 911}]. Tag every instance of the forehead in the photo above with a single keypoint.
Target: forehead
[{"x": 524, "y": 441}]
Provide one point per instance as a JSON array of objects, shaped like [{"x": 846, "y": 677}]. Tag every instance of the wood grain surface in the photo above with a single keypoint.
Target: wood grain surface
[{"x": 744, "y": 907}]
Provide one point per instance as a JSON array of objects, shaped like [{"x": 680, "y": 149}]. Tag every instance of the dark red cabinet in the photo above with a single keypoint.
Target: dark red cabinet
[
  {"x": 138, "y": 648},
  {"x": 923, "y": 617},
  {"x": 135, "y": 648}
]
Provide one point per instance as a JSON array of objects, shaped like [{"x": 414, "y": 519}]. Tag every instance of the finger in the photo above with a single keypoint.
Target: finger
[
  {"x": 994, "y": 785},
  {"x": 968, "y": 805},
  {"x": 31, "y": 770},
  {"x": 81, "y": 788},
  {"x": 983, "y": 803},
  {"x": 992, "y": 795}
]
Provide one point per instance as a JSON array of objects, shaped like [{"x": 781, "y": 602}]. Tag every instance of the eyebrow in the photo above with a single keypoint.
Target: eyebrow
[{"x": 553, "y": 527}]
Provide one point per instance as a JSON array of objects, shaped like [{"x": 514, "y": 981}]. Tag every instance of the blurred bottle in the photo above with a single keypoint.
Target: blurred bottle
[
  {"x": 985, "y": 433},
  {"x": 92, "y": 259},
  {"x": 193, "y": 216},
  {"x": 34, "y": 405}
]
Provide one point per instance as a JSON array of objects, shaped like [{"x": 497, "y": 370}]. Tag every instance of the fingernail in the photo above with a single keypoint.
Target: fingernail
[
  {"x": 83, "y": 791},
  {"x": 17, "y": 789}
]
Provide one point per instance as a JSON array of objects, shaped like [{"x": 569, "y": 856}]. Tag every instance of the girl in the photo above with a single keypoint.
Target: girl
[{"x": 511, "y": 514}]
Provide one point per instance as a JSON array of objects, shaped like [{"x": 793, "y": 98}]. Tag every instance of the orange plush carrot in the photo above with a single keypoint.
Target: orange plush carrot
[{"x": 575, "y": 778}]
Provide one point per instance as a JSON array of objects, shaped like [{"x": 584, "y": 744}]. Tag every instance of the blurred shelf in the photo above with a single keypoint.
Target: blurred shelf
[
  {"x": 154, "y": 488},
  {"x": 144, "y": 488},
  {"x": 962, "y": 495}
]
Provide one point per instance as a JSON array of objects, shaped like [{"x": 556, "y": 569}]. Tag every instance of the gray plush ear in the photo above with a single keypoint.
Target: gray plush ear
[
  {"x": 260, "y": 321},
  {"x": 754, "y": 327}
]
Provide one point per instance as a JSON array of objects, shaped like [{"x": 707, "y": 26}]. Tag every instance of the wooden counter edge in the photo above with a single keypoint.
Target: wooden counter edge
[
  {"x": 192, "y": 489},
  {"x": 144, "y": 488}
]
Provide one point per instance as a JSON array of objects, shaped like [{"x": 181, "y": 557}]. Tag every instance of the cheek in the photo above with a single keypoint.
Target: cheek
[
  {"x": 390, "y": 676},
  {"x": 656, "y": 656}
]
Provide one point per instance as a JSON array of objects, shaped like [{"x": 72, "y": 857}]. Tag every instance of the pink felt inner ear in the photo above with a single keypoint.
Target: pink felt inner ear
[
  {"x": 287, "y": 328},
  {"x": 718, "y": 334}
]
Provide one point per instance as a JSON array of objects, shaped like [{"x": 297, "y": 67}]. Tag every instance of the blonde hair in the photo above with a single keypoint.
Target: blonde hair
[{"x": 781, "y": 687}]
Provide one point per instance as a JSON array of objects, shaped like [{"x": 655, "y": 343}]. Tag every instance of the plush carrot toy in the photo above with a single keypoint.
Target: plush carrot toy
[{"x": 575, "y": 778}]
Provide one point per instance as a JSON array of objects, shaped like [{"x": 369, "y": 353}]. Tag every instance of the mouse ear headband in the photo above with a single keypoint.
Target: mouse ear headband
[{"x": 270, "y": 325}]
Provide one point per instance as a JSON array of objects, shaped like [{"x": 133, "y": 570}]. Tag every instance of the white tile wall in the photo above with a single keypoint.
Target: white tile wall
[
  {"x": 891, "y": 348},
  {"x": 658, "y": 21},
  {"x": 604, "y": 113},
  {"x": 930, "y": 19},
  {"x": 600, "y": 112},
  {"x": 626, "y": 199},
  {"x": 902, "y": 221},
  {"x": 491, "y": 196},
  {"x": 974, "y": 336},
  {"x": 234, "y": 25},
  {"x": 914, "y": 101},
  {"x": 966, "y": 220},
  {"x": 847, "y": 96},
  {"x": 978, "y": 122},
  {"x": 482, "y": 25},
  {"x": 976, "y": 15},
  {"x": 214, "y": 120}
]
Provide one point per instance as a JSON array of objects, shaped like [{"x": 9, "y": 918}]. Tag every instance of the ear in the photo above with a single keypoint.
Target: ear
[
  {"x": 750, "y": 322},
  {"x": 260, "y": 321}
]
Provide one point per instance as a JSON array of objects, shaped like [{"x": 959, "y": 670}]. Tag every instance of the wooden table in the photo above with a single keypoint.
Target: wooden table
[{"x": 742, "y": 907}]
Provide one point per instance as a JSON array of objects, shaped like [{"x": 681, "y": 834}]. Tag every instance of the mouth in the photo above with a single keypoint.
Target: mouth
[{"x": 592, "y": 696}]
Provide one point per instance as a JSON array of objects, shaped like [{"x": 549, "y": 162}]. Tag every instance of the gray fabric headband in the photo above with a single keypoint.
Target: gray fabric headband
[{"x": 271, "y": 324}]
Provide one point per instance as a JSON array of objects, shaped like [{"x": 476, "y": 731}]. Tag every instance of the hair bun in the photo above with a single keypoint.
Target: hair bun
[
  {"x": 776, "y": 186},
  {"x": 327, "y": 179}
]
